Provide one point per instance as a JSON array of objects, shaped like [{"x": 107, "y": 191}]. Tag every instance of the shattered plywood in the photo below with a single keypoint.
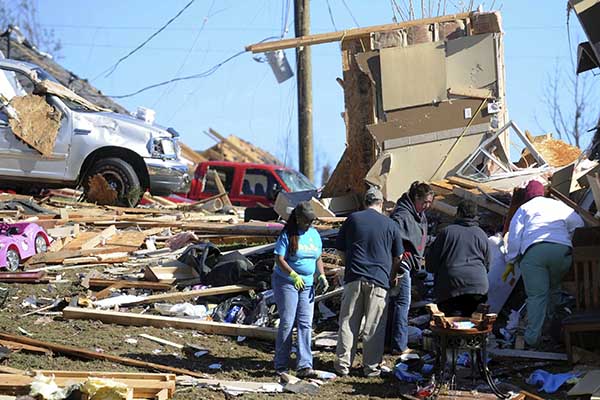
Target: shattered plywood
[
  {"x": 37, "y": 124},
  {"x": 413, "y": 76},
  {"x": 556, "y": 152}
]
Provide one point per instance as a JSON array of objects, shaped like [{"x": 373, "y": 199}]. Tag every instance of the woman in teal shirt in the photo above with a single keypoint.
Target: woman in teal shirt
[{"x": 297, "y": 258}]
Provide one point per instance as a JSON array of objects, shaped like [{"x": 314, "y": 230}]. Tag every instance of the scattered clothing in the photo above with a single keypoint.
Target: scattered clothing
[
  {"x": 402, "y": 373},
  {"x": 548, "y": 382}
]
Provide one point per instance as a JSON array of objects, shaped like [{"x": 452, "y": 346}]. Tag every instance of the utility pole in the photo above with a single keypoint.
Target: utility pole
[{"x": 304, "y": 86}]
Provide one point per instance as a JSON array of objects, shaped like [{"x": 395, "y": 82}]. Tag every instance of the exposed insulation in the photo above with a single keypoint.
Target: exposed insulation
[
  {"x": 38, "y": 122},
  {"x": 556, "y": 152}
]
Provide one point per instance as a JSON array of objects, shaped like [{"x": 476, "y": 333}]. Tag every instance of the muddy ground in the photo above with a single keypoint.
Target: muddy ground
[{"x": 250, "y": 360}]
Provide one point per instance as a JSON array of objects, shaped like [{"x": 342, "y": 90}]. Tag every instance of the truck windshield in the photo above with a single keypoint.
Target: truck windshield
[{"x": 295, "y": 180}]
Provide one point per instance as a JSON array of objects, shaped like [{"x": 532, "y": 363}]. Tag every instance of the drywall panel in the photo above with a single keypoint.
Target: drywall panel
[
  {"x": 471, "y": 62},
  {"x": 419, "y": 162},
  {"x": 430, "y": 118},
  {"x": 413, "y": 75}
]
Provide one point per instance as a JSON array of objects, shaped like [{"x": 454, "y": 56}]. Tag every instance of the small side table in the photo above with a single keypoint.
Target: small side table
[{"x": 474, "y": 340}]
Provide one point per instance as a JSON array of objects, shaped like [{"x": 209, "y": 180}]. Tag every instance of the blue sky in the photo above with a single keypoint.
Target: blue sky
[{"x": 243, "y": 97}]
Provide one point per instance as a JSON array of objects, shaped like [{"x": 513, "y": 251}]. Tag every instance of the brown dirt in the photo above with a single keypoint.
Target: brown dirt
[{"x": 38, "y": 122}]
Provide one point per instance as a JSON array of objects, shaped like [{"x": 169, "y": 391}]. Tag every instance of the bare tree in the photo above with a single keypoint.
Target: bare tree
[
  {"x": 24, "y": 14},
  {"x": 571, "y": 103}
]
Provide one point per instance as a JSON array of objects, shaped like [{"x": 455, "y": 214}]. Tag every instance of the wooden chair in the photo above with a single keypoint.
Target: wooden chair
[{"x": 586, "y": 271}]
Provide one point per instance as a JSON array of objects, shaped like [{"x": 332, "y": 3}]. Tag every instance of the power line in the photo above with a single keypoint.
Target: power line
[
  {"x": 114, "y": 67},
  {"x": 187, "y": 56},
  {"x": 331, "y": 16},
  {"x": 350, "y": 12},
  {"x": 204, "y": 74}
]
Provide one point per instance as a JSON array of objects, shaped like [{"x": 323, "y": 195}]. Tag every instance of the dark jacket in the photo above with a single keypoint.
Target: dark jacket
[
  {"x": 413, "y": 229},
  {"x": 460, "y": 258}
]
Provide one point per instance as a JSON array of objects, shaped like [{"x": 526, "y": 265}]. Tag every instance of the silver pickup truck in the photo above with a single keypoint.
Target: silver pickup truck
[{"x": 129, "y": 153}]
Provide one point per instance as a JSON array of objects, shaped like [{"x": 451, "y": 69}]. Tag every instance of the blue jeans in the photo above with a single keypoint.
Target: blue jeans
[
  {"x": 401, "y": 305},
  {"x": 294, "y": 308}
]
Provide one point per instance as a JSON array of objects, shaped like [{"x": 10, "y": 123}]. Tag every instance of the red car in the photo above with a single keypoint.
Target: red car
[{"x": 247, "y": 184}]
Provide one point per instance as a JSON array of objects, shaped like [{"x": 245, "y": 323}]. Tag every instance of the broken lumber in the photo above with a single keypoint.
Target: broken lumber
[
  {"x": 144, "y": 386},
  {"x": 472, "y": 194},
  {"x": 126, "y": 284},
  {"x": 23, "y": 277},
  {"x": 133, "y": 319},
  {"x": 99, "y": 238},
  {"x": 190, "y": 294},
  {"x": 584, "y": 214},
  {"x": 348, "y": 34},
  {"x": 538, "y": 355},
  {"x": 92, "y": 355}
]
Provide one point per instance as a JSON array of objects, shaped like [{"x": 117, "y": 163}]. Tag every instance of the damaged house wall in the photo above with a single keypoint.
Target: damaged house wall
[{"x": 427, "y": 83}]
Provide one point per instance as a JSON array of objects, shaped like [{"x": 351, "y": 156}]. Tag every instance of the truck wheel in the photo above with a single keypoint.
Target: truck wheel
[
  {"x": 120, "y": 176},
  {"x": 12, "y": 260}
]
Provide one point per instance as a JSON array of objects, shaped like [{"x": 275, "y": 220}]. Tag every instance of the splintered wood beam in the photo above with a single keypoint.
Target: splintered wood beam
[
  {"x": 133, "y": 319},
  {"x": 190, "y": 294},
  {"x": 348, "y": 34},
  {"x": 92, "y": 355},
  {"x": 99, "y": 238}
]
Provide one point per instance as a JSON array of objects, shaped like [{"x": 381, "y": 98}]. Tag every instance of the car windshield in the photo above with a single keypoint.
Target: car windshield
[
  {"x": 295, "y": 180},
  {"x": 43, "y": 75}
]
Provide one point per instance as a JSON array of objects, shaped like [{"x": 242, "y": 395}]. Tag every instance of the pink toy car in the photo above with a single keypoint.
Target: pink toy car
[{"x": 20, "y": 241}]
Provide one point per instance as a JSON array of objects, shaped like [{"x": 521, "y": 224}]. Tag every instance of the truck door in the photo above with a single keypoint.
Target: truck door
[
  {"x": 259, "y": 187},
  {"x": 18, "y": 159}
]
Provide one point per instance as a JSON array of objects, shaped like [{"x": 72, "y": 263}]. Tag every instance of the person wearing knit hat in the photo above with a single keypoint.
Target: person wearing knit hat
[{"x": 539, "y": 241}]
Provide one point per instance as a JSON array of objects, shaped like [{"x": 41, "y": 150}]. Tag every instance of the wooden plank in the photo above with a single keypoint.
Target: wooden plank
[
  {"x": 594, "y": 182},
  {"x": 126, "y": 284},
  {"x": 92, "y": 355},
  {"x": 471, "y": 194},
  {"x": 21, "y": 346},
  {"x": 584, "y": 214},
  {"x": 190, "y": 294},
  {"x": 587, "y": 385},
  {"x": 21, "y": 277},
  {"x": 99, "y": 238},
  {"x": 348, "y": 34},
  {"x": 80, "y": 260},
  {"x": 537, "y": 355},
  {"x": 221, "y": 187},
  {"x": 133, "y": 319}
]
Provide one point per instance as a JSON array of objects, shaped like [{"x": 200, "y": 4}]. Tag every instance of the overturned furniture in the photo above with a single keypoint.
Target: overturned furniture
[{"x": 586, "y": 266}]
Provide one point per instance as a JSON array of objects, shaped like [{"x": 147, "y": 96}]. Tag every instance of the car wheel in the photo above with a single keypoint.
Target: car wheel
[
  {"x": 40, "y": 244},
  {"x": 120, "y": 176},
  {"x": 12, "y": 260}
]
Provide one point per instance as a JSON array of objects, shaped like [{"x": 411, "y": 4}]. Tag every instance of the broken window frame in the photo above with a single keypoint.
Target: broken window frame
[{"x": 509, "y": 168}]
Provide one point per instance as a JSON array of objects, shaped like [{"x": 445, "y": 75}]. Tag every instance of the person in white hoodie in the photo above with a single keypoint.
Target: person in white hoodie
[{"x": 539, "y": 240}]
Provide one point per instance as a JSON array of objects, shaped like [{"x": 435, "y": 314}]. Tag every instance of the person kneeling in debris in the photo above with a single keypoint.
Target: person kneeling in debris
[
  {"x": 370, "y": 246},
  {"x": 459, "y": 258},
  {"x": 539, "y": 240},
  {"x": 410, "y": 217},
  {"x": 298, "y": 256}
]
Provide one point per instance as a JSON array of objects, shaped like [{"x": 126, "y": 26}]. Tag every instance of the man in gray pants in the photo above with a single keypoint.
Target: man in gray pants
[{"x": 371, "y": 247}]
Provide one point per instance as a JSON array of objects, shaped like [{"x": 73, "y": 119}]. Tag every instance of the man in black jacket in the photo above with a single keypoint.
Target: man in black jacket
[{"x": 460, "y": 258}]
